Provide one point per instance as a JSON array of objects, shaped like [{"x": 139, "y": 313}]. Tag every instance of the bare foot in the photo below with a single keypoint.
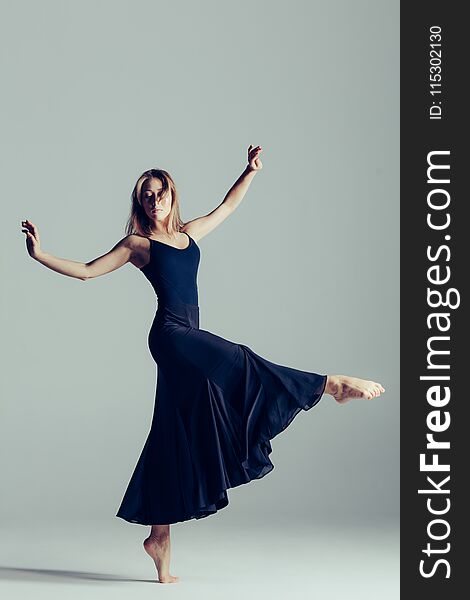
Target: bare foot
[
  {"x": 344, "y": 388},
  {"x": 158, "y": 548}
]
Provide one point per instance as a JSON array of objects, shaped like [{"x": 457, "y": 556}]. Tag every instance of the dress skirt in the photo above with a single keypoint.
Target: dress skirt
[{"x": 217, "y": 406}]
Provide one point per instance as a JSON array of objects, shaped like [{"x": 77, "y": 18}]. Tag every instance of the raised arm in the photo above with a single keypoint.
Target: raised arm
[
  {"x": 118, "y": 256},
  {"x": 201, "y": 226}
]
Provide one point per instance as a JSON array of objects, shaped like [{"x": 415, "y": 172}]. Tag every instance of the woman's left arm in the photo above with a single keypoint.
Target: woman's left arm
[{"x": 198, "y": 228}]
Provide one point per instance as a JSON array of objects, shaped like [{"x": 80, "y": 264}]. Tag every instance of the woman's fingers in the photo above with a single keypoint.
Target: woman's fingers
[
  {"x": 254, "y": 152},
  {"x": 30, "y": 228},
  {"x": 253, "y": 157}
]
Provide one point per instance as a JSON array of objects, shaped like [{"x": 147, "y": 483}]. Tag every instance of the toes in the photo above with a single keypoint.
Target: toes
[
  {"x": 379, "y": 386},
  {"x": 377, "y": 389}
]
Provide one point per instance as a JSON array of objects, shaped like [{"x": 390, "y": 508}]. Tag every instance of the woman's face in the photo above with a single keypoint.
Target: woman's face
[{"x": 156, "y": 208}]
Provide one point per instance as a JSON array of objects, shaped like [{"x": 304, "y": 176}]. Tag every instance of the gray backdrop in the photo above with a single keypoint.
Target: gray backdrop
[{"x": 305, "y": 272}]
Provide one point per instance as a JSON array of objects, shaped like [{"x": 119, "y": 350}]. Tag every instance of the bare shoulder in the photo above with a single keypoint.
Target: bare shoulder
[
  {"x": 135, "y": 241},
  {"x": 192, "y": 229},
  {"x": 139, "y": 248}
]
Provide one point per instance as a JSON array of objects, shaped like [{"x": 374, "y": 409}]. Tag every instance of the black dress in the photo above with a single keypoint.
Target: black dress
[{"x": 217, "y": 405}]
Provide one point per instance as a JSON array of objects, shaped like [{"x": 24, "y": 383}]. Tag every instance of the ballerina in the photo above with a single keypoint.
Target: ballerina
[{"x": 218, "y": 404}]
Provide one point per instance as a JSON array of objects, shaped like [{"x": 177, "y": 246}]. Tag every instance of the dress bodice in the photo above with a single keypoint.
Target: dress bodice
[{"x": 173, "y": 272}]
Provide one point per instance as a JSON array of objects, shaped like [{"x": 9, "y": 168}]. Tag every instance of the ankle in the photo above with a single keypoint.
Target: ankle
[
  {"x": 160, "y": 539},
  {"x": 331, "y": 384}
]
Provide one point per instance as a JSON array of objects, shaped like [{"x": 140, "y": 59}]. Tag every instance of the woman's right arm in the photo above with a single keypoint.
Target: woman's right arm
[{"x": 118, "y": 256}]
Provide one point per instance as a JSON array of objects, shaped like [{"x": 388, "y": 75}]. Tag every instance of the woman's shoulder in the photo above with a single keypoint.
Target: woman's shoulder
[
  {"x": 139, "y": 246},
  {"x": 136, "y": 240}
]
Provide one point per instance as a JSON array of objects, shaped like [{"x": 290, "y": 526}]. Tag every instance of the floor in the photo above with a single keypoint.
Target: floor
[{"x": 215, "y": 558}]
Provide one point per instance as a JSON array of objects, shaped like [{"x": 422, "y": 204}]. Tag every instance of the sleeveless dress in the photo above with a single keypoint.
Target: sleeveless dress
[{"x": 217, "y": 404}]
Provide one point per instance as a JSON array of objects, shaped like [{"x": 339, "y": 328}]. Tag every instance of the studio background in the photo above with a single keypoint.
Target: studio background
[{"x": 93, "y": 94}]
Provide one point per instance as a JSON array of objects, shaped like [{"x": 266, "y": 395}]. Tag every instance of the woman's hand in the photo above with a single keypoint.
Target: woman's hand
[
  {"x": 254, "y": 162},
  {"x": 33, "y": 243}
]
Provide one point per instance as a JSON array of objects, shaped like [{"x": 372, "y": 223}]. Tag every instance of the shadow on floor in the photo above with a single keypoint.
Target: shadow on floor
[{"x": 51, "y": 575}]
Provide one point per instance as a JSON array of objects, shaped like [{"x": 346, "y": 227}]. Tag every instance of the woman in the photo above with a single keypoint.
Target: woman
[{"x": 218, "y": 404}]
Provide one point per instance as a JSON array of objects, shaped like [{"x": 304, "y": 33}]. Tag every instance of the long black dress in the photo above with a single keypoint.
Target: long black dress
[{"x": 217, "y": 405}]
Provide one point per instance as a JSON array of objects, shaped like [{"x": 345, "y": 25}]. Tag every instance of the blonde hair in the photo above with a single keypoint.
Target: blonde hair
[{"x": 138, "y": 222}]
